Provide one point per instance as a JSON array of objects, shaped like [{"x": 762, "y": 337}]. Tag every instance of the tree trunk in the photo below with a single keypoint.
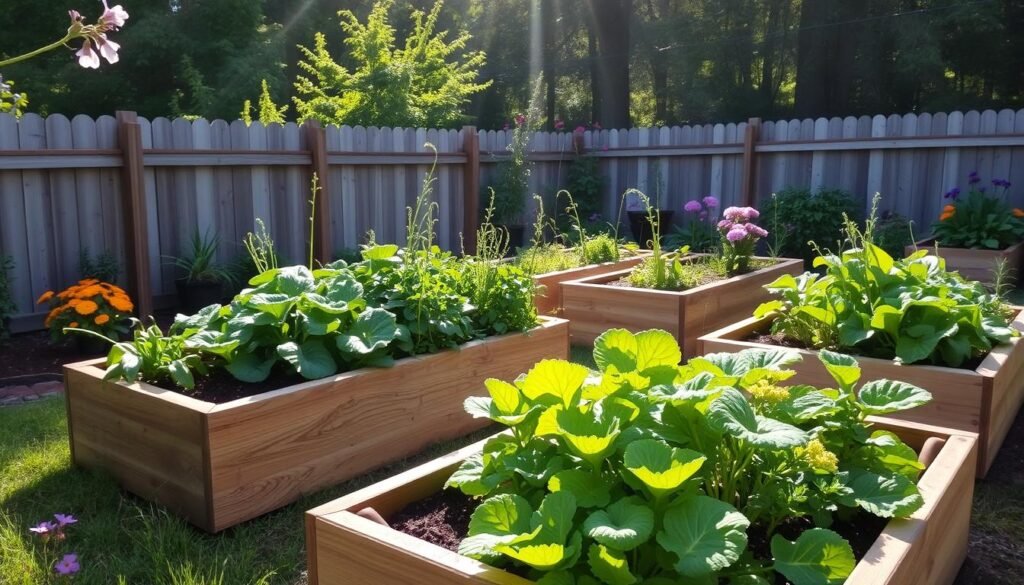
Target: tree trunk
[
  {"x": 595, "y": 85},
  {"x": 812, "y": 64},
  {"x": 549, "y": 22},
  {"x": 610, "y": 24}
]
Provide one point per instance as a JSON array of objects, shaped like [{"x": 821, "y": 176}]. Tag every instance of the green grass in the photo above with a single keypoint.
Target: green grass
[{"x": 122, "y": 539}]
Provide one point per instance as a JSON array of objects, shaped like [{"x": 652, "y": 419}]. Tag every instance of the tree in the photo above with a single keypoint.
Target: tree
[
  {"x": 425, "y": 84},
  {"x": 267, "y": 111},
  {"x": 610, "y": 25}
]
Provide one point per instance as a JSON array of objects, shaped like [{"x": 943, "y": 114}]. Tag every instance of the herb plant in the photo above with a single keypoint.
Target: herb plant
[
  {"x": 980, "y": 219},
  {"x": 649, "y": 472},
  {"x": 582, "y": 246},
  {"x": 153, "y": 357},
  {"x": 868, "y": 303},
  {"x": 200, "y": 265}
]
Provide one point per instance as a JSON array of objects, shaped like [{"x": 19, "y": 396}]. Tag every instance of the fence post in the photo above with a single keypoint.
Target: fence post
[
  {"x": 750, "y": 138},
  {"x": 471, "y": 188},
  {"x": 133, "y": 200},
  {"x": 316, "y": 137}
]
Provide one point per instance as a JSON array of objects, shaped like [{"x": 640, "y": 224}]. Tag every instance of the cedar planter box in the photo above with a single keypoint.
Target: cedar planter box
[
  {"x": 549, "y": 298},
  {"x": 221, "y": 464},
  {"x": 346, "y": 549},
  {"x": 983, "y": 401},
  {"x": 593, "y": 306},
  {"x": 975, "y": 264}
]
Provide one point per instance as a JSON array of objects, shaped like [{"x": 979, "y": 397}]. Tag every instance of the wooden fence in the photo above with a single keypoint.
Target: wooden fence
[{"x": 141, "y": 188}]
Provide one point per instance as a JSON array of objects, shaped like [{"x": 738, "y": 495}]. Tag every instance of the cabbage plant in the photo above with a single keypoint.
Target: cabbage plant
[{"x": 648, "y": 472}]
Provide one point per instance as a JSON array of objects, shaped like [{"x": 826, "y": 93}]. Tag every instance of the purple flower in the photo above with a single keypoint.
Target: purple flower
[
  {"x": 711, "y": 202},
  {"x": 44, "y": 528},
  {"x": 67, "y": 565},
  {"x": 974, "y": 178},
  {"x": 1001, "y": 183},
  {"x": 506, "y": 126},
  {"x": 703, "y": 215},
  {"x": 741, "y": 214},
  {"x": 114, "y": 17},
  {"x": 65, "y": 519},
  {"x": 559, "y": 125},
  {"x": 756, "y": 231},
  {"x": 692, "y": 206},
  {"x": 953, "y": 194},
  {"x": 579, "y": 130},
  {"x": 725, "y": 225},
  {"x": 736, "y": 234}
]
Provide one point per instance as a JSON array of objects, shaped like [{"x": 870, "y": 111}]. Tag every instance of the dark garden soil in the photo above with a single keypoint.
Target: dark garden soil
[
  {"x": 220, "y": 386},
  {"x": 32, "y": 354}
]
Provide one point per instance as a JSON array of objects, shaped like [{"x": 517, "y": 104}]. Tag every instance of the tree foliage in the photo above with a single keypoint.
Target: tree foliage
[{"x": 427, "y": 83}]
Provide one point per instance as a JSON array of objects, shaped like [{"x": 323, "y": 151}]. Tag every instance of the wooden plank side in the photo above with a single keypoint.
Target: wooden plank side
[
  {"x": 13, "y": 236},
  {"x": 1004, "y": 369},
  {"x": 322, "y": 433}
]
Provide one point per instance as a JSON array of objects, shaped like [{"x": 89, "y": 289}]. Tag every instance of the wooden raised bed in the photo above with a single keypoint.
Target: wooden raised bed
[
  {"x": 221, "y": 464},
  {"x": 346, "y": 549},
  {"x": 983, "y": 401},
  {"x": 549, "y": 295},
  {"x": 975, "y": 264},
  {"x": 593, "y": 306}
]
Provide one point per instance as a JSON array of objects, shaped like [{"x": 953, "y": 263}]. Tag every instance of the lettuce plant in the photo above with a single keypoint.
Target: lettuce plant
[
  {"x": 868, "y": 303},
  {"x": 649, "y": 472}
]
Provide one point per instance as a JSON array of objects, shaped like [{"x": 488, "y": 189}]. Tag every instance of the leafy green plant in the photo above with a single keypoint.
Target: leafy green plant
[
  {"x": 893, "y": 233},
  {"x": 980, "y": 219},
  {"x": 7, "y": 306},
  {"x": 260, "y": 247},
  {"x": 103, "y": 266},
  {"x": 647, "y": 471},
  {"x": 662, "y": 271},
  {"x": 267, "y": 111},
  {"x": 698, "y": 231},
  {"x": 797, "y": 217},
  {"x": 150, "y": 356},
  {"x": 585, "y": 182},
  {"x": 868, "y": 303},
  {"x": 200, "y": 265}
]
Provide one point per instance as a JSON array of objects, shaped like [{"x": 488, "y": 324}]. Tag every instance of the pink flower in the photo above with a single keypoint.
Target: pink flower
[
  {"x": 87, "y": 57},
  {"x": 736, "y": 234},
  {"x": 725, "y": 225},
  {"x": 520, "y": 119},
  {"x": 559, "y": 125},
  {"x": 579, "y": 130},
  {"x": 756, "y": 231},
  {"x": 114, "y": 17},
  {"x": 711, "y": 202},
  {"x": 65, "y": 519},
  {"x": 741, "y": 214},
  {"x": 692, "y": 206},
  {"x": 108, "y": 49},
  {"x": 67, "y": 565}
]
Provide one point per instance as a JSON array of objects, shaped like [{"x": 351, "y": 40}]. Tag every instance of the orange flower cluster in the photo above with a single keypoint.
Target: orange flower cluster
[
  {"x": 90, "y": 304},
  {"x": 1018, "y": 213},
  {"x": 947, "y": 212}
]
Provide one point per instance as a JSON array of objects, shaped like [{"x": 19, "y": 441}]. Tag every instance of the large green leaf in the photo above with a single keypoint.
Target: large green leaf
[
  {"x": 294, "y": 280},
  {"x": 274, "y": 304},
  {"x": 888, "y": 496},
  {"x": 889, "y": 451},
  {"x": 589, "y": 489},
  {"x": 616, "y": 348},
  {"x": 502, "y": 514},
  {"x": 555, "y": 382},
  {"x": 311, "y": 359},
  {"x": 818, "y": 557},
  {"x": 380, "y": 252},
  {"x": 542, "y": 557},
  {"x": 656, "y": 348},
  {"x": 554, "y": 517},
  {"x": 887, "y": 396},
  {"x": 248, "y": 367},
  {"x": 843, "y": 368},
  {"x": 373, "y": 330},
  {"x": 586, "y": 434},
  {"x": 624, "y": 525},
  {"x": 660, "y": 467},
  {"x": 610, "y": 566},
  {"x": 706, "y": 535},
  {"x": 508, "y": 400},
  {"x": 731, "y": 414}
]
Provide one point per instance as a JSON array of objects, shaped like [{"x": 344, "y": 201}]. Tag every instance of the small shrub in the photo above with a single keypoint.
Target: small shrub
[
  {"x": 796, "y": 217},
  {"x": 982, "y": 219}
]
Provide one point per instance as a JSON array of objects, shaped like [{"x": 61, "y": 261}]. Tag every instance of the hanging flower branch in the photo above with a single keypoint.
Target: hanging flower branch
[{"x": 95, "y": 35}]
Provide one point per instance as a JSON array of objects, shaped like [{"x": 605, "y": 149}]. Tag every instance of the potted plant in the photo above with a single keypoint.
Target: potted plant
[
  {"x": 650, "y": 472},
  {"x": 90, "y": 305},
  {"x": 586, "y": 251},
  {"x": 688, "y": 295},
  {"x": 310, "y": 376},
  {"x": 909, "y": 320},
  {"x": 979, "y": 234},
  {"x": 204, "y": 280}
]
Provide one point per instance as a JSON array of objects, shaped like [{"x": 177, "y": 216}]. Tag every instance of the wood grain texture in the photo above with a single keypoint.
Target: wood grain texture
[
  {"x": 984, "y": 401},
  {"x": 972, "y": 264},
  {"x": 549, "y": 295},
  {"x": 345, "y": 549},
  {"x": 219, "y": 465},
  {"x": 593, "y": 306}
]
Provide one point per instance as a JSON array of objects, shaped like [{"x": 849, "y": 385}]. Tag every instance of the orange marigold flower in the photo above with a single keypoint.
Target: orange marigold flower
[
  {"x": 122, "y": 303},
  {"x": 1018, "y": 213},
  {"x": 946, "y": 215},
  {"x": 89, "y": 291},
  {"x": 73, "y": 324},
  {"x": 88, "y": 281},
  {"x": 45, "y": 297},
  {"x": 74, "y": 302},
  {"x": 102, "y": 319},
  {"x": 86, "y": 308},
  {"x": 949, "y": 208}
]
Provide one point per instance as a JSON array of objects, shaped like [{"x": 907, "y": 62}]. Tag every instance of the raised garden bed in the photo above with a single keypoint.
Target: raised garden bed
[
  {"x": 983, "y": 400},
  {"x": 549, "y": 296},
  {"x": 221, "y": 464},
  {"x": 594, "y": 305},
  {"x": 973, "y": 264},
  {"x": 344, "y": 548}
]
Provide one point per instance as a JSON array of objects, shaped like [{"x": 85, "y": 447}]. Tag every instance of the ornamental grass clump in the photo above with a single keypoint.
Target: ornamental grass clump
[
  {"x": 645, "y": 471},
  {"x": 867, "y": 303},
  {"x": 90, "y": 305},
  {"x": 982, "y": 219}
]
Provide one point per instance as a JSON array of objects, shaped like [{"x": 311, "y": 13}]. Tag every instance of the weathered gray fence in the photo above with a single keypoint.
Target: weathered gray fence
[{"x": 141, "y": 188}]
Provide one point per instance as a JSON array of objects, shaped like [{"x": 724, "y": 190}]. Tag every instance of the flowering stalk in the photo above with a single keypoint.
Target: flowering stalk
[{"x": 112, "y": 19}]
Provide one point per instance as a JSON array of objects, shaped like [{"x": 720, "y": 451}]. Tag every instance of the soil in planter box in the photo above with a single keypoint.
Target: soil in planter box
[
  {"x": 220, "y": 386},
  {"x": 697, "y": 274},
  {"x": 443, "y": 520}
]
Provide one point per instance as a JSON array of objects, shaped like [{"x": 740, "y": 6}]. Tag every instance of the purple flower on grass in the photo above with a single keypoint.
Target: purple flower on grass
[
  {"x": 692, "y": 206},
  {"x": 736, "y": 234},
  {"x": 67, "y": 565},
  {"x": 65, "y": 519},
  {"x": 711, "y": 202},
  {"x": 43, "y": 528}
]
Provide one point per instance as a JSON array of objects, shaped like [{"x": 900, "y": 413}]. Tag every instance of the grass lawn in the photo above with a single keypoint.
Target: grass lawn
[{"x": 123, "y": 540}]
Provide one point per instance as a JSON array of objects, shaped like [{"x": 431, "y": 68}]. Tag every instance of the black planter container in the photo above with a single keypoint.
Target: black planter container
[
  {"x": 641, "y": 227},
  {"x": 193, "y": 296}
]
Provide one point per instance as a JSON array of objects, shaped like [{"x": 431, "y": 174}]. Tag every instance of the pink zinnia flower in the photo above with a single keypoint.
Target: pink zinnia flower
[
  {"x": 736, "y": 234},
  {"x": 756, "y": 231},
  {"x": 67, "y": 565},
  {"x": 711, "y": 202},
  {"x": 87, "y": 57},
  {"x": 692, "y": 206},
  {"x": 113, "y": 17}
]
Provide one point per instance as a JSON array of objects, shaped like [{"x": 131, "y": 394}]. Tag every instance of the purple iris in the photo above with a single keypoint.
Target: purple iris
[
  {"x": 953, "y": 194},
  {"x": 974, "y": 178}
]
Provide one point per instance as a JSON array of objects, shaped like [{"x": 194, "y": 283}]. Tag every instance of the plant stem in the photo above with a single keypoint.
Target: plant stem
[{"x": 62, "y": 42}]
